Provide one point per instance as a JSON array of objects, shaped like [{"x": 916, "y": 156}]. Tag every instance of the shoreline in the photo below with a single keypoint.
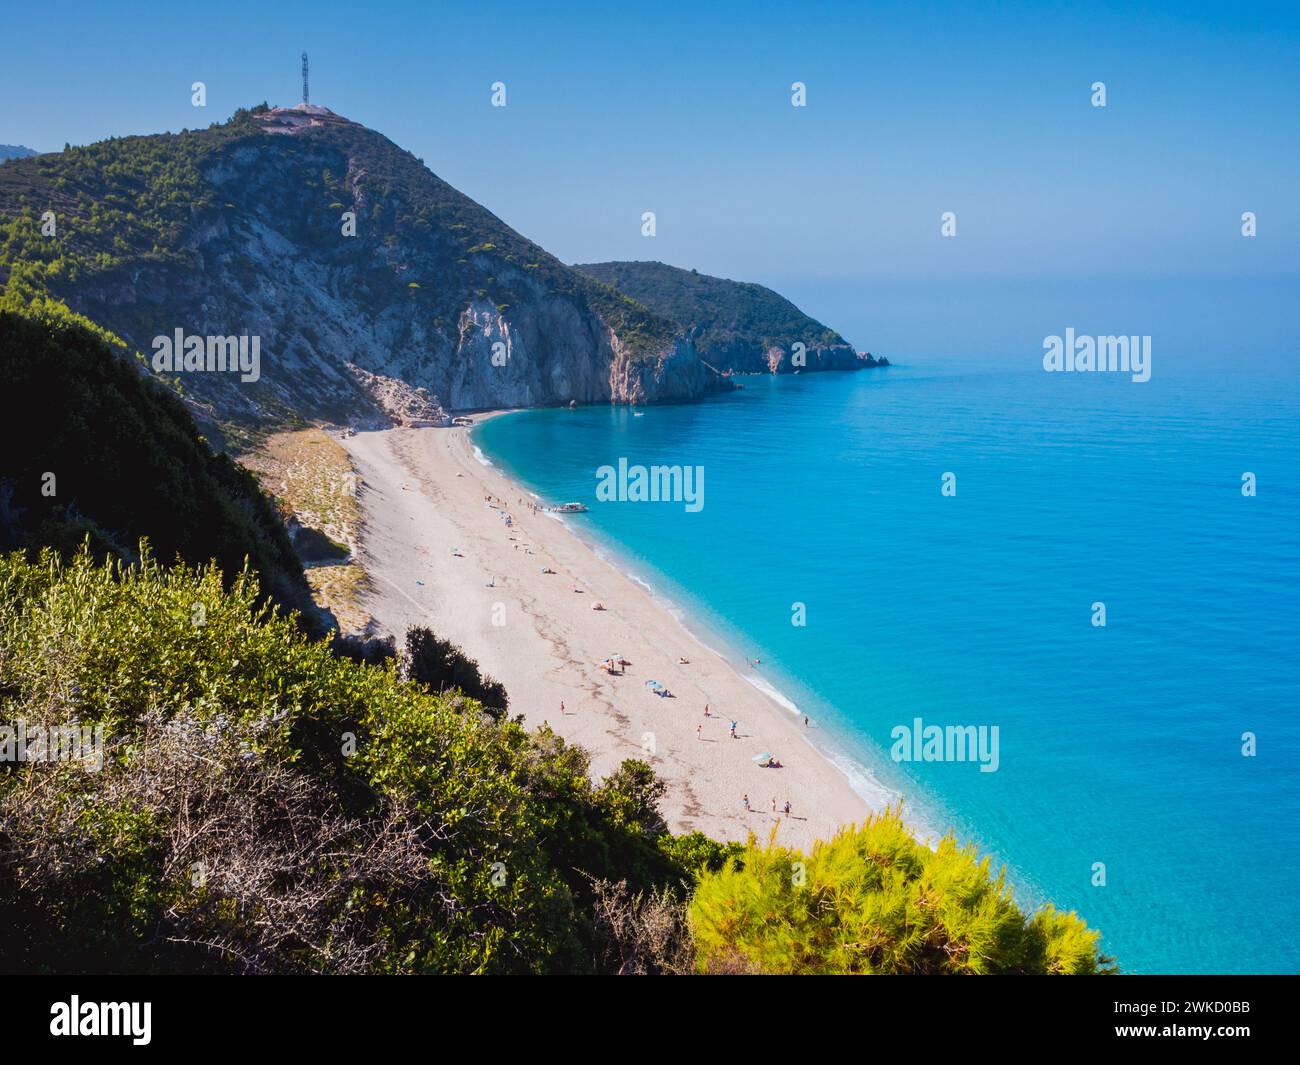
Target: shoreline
[
  {"x": 438, "y": 554},
  {"x": 828, "y": 741}
]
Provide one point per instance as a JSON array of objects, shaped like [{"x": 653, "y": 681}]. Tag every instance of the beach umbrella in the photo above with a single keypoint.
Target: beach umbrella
[{"x": 762, "y": 759}]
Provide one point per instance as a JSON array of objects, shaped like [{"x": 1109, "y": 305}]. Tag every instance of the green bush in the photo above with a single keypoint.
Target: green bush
[
  {"x": 440, "y": 665},
  {"x": 875, "y": 901},
  {"x": 345, "y": 820}
]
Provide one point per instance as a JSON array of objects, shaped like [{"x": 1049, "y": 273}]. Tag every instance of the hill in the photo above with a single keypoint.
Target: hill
[
  {"x": 94, "y": 448},
  {"x": 736, "y": 325},
  {"x": 242, "y": 229}
]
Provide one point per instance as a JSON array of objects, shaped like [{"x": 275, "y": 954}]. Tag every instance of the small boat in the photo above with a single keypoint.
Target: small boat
[{"x": 571, "y": 508}]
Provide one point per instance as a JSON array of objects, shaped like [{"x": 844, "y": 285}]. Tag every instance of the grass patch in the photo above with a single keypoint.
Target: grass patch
[
  {"x": 311, "y": 478},
  {"x": 339, "y": 589}
]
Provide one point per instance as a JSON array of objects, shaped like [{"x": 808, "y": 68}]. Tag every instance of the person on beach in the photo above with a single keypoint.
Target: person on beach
[
  {"x": 733, "y": 730},
  {"x": 561, "y": 707},
  {"x": 745, "y": 800},
  {"x": 699, "y": 732},
  {"x": 787, "y": 807},
  {"x": 774, "y": 804},
  {"x": 805, "y": 722},
  {"x": 706, "y": 710}
]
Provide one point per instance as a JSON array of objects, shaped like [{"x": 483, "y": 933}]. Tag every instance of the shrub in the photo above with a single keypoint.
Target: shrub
[
  {"x": 639, "y": 935},
  {"x": 346, "y": 819},
  {"x": 874, "y": 900},
  {"x": 440, "y": 666}
]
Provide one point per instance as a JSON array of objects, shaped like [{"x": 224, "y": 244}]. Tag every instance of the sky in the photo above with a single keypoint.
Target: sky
[{"x": 613, "y": 110}]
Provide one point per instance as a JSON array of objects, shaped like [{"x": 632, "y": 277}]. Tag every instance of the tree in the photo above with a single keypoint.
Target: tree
[
  {"x": 873, "y": 900},
  {"x": 440, "y": 665}
]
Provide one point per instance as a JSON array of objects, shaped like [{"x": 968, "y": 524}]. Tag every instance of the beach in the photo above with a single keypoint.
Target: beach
[{"x": 438, "y": 551}]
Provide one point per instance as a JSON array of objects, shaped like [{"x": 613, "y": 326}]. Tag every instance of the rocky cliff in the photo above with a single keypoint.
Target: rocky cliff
[
  {"x": 350, "y": 261},
  {"x": 736, "y": 326}
]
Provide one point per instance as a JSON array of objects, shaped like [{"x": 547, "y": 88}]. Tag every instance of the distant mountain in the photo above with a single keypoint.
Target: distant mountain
[
  {"x": 14, "y": 151},
  {"x": 239, "y": 229},
  {"x": 736, "y": 325}
]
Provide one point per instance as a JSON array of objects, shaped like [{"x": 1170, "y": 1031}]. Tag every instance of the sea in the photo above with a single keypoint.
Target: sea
[{"x": 937, "y": 542}]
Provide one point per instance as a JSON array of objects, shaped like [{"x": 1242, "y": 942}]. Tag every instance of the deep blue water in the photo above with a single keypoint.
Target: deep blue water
[{"x": 1120, "y": 745}]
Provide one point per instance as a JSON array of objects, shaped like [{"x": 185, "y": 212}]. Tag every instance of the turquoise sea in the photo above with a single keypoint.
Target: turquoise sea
[{"x": 1119, "y": 745}]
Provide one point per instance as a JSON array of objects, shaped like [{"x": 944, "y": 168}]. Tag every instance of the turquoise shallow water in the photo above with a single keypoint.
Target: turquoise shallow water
[{"x": 1119, "y": 745}]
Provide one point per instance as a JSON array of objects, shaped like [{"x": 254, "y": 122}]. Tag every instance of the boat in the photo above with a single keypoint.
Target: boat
[{"x": 571, "y": 508}]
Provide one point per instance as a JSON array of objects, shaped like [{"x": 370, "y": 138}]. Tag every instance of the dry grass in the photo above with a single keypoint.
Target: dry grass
[
  {"x": 310, "y": 475},
  {"x": 339, "y": 589},
  {"x": 311, "y": 478}
]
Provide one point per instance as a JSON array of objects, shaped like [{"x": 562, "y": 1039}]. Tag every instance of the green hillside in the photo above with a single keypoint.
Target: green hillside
[
  {"x": 236, "y": 230},
  {"x": 735, "y": 323},
  {"x": 130, "y": 198},
  {"x": 94, "y": 448}
]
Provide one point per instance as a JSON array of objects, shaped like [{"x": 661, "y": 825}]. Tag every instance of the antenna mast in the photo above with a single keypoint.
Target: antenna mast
[{"x": 305, "y": 98}]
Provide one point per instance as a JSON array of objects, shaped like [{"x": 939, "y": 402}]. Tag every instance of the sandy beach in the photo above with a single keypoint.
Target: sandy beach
[{"x": 439, "y": 554}]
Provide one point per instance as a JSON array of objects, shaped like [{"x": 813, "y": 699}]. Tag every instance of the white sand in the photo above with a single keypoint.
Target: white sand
[{"x": 422, "y": 496}]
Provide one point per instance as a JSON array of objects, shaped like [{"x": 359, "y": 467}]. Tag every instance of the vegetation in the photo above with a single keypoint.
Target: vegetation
[
  {"x": 873, "y": 900},
  {"x": 132, "y": 201},
  {"x": 310, "y": 477},
  {"x": 440, "y": 666},
  {"x": 734, "y": 322},
  {"x": 492, "y": 256},
  {"x": 120, "y": 199},
  {"x": 265, "y": 805},
  {"x": 112, "y": 455}
]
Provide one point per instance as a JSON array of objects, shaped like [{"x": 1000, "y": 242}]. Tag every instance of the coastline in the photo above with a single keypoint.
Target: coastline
[{"x": 439, "y": 554}]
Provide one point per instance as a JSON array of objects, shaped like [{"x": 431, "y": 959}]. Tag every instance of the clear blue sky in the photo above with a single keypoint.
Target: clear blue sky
[{"x": 615, "y": 109}]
